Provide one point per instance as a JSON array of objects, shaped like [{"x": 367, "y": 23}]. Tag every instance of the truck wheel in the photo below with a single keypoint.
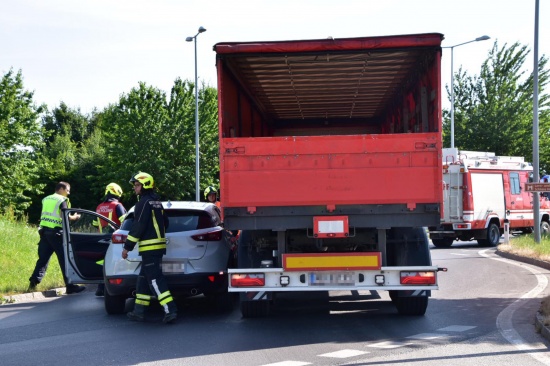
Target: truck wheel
[
  {"x": 114, "y": 304},
  {"x": 544, "y": 228},
  {"x": 221, "y": 301},
  {"x": 492, "y": 237},
  {"x": 254, "y": 309},
  {"x": 411, "y": 305},
  {"x": 443, "y": 243}
]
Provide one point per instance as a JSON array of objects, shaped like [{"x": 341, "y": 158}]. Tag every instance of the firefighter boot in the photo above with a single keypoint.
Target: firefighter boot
[
  {"x": 172, "y": 313},
  {"x": 138, "y": 314}
]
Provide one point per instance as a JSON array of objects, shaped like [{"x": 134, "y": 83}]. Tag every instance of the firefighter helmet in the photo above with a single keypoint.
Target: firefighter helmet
[
  {"x": 145, "y": 179},
  {"x": 209, "y": 190},
  {"x": 113, "y": 189}
]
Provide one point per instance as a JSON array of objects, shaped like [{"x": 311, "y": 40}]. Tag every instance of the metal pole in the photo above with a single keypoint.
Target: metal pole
[
  {"x": 197, "y": 156},
  {"x": 452, "y": 101},
  {"x": 536, "y": 168}
]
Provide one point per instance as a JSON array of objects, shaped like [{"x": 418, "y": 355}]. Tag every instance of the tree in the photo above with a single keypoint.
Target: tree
[
  {"x": 494, "y": 111},
  {"x": 147, "y": 132},
  {"x": 20, "y": 139}
]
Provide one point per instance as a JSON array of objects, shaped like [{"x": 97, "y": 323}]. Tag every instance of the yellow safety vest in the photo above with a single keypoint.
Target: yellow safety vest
[{"x": 51, "y": 211}]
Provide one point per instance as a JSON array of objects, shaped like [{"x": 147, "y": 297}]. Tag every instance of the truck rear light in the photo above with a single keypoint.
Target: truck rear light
[
  {"x": 418, "y": 278},
  {"x": 247, "y": 280},
  {"x": 464, "y": 226},
  {"x": 211, "y": 236},
  {"x": 118, "y": 238},
  {"x": 115, "y": 281}
]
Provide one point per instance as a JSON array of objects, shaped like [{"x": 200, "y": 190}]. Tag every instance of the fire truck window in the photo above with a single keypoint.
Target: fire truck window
[{"x": 514, "y": 183}]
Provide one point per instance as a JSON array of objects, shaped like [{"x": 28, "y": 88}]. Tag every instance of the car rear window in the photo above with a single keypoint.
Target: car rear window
[{"x": 180, "y": 220}]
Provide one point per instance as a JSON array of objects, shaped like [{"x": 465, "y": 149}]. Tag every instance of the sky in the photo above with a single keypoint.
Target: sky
[{"x": 87, "y": 53}]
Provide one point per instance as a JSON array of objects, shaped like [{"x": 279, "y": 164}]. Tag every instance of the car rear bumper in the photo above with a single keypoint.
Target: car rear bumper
[{"x": 184, "y": 284}]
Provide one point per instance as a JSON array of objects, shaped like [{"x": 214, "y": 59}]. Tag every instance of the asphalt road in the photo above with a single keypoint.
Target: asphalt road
[{"x": 483, "y": 314}]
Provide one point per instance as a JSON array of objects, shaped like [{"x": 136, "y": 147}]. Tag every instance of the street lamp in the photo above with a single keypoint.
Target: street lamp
[
  {"x": 482, "y": 38},
  {"x": 197, "y": 179}
]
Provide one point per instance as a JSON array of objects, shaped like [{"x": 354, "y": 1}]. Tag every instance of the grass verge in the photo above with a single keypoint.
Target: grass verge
[
  {"x": 525, "y": 246},
  {"x": 18, "y": 245}
]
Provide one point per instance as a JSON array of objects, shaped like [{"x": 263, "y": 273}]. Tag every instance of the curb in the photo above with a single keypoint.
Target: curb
[
  {"x": 30, "y": 296},
  {"x": 544, "y": 330}
]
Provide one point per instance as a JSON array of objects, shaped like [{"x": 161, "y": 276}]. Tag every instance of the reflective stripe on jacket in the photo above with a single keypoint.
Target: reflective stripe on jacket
[{"x": 51, "y": 210}]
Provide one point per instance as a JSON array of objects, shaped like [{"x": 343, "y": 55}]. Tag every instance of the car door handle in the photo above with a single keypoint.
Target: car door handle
[{"x": 104, "y": 241}]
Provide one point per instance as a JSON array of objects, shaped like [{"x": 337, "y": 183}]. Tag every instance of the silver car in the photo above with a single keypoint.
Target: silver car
[{"x": 199, "y": 251}]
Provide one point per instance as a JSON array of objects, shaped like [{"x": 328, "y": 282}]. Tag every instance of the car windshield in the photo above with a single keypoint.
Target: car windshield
[{"x": 180, "y": 220}]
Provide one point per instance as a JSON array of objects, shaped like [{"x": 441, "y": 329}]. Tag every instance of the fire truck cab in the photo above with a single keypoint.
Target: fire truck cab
[{"x": 480, "y": 192}]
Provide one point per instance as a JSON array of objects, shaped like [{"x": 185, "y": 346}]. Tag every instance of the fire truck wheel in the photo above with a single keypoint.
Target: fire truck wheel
[
  {"x": 492, "y": 237},
  {"x": 545, "y": 228},
  {"x": 255, "y": 309},
  {"x": 443, "y": 243}
]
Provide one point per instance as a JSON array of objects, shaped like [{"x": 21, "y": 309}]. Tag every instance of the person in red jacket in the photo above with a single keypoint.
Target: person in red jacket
[{"x": 112, "y": 209}]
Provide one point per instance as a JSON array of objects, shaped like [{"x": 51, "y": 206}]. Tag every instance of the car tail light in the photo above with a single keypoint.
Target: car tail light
[
  {"x": 418, "y": 278},
  {"x": 115, "y": 281},
  {"x": 247, "y": 280},
  {"x": 118, "y": 238},
  {"x": 211, "y": 236}
]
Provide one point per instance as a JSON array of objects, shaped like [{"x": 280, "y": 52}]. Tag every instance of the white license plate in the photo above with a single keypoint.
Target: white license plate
[
  {"x": 331, "y": 279},
  {"x": 173, "y": 267}
]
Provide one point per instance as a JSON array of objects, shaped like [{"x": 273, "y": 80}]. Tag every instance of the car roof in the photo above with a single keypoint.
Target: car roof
[{"x": 185, "y": 205}]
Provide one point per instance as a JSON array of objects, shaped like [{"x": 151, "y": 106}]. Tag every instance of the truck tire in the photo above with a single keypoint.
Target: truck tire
[
  {"x": 443, "y": 243},
  {"x": 492, "y": 236},
  {"x": 415, "y": 306},
  {"x": 114, "y": 304},
  {"x": 544, "y": 228},
  {"x": 255, "y": 309},
  {"x": 409, "y": 247}
]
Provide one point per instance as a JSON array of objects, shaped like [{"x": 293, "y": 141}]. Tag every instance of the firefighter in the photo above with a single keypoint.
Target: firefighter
[
  {"x": 211, "y": 195},
  {"x": 148, "y": 229},
  {"x": 50, "y": 236},
  {"x": 113, "y": 210}
]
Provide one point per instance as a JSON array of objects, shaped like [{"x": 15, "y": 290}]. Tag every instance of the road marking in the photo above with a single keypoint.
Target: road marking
[
  {"x": 456, "y": 328},
  {"x": 459, "y": 254},
  {"x": 427, "y": 336},
  {"x": 288, "y": 363},
  {"x": 345, "y": 353},
  {"x": 389, "y": 344},
  {"x": 504, "y": 318}
]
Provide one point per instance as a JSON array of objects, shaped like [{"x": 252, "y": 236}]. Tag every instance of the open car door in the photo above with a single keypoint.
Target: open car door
[{"x": 85, "y": 242}]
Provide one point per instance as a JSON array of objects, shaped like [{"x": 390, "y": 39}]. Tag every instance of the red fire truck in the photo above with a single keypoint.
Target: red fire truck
[
  {"x": 330, "y": 164},
  {"x": 480, "y": 192}
]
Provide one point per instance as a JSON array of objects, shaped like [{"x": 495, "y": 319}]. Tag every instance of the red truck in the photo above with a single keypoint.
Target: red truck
[
  {"x": 330, "y": 164},
  {"x": 481, "y": 192}
]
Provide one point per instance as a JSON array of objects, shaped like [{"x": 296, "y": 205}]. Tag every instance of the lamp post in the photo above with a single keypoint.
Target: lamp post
[
  {"x": 482, "y": 38},
  {"x": 197, "y": 158}
]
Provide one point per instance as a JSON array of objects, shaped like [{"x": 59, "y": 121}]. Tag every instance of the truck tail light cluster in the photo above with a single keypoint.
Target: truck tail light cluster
[
  {"x": 418, "y": 278},
  {"x": 211, "y": 236},
  {"x": 247, "y": 280}
]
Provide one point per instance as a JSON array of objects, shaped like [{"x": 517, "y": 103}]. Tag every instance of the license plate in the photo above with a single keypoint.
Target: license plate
[
  {"x": 331, "y": 279},
  {"x": 173, "y": 267}
]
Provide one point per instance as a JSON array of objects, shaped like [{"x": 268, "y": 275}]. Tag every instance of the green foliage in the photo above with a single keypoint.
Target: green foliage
[
  {"x": 18, "y": 245},
  {"x": 20, "y": 139},
  {"x": 146, "y": 132},
  {"x": 494, "y": 111}
]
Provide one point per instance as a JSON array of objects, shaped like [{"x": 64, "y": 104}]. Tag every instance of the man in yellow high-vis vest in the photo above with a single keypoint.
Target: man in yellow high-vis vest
[{"x": 51, "y": 239}]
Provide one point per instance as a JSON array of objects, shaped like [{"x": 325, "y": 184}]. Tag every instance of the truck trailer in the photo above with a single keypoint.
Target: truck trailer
[
  {"x": 482, "y": 192},
  {"x": 330, "y": 164}
]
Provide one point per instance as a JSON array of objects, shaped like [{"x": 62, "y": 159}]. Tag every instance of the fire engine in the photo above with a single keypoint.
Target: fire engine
[{"x": 480, "y": 192}]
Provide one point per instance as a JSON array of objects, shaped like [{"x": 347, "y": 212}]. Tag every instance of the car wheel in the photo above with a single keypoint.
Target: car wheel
[{"x": 114, "y": 304}]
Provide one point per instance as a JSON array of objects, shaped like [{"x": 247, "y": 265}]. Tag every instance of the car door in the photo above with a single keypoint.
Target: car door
[{"x": 85, "y": 242}]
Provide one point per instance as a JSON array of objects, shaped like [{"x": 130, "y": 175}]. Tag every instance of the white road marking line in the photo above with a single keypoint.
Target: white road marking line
[
  {"x": 459, "y": 254},
  {"x": 456, "y": 328},
  {"x": 345, "y": 353},
  {"x": 428, "y": 336},
  {"x": 288, "y": 363},
  {"x": 504, "y": 319},
  {"x": 388, "y": 344}
]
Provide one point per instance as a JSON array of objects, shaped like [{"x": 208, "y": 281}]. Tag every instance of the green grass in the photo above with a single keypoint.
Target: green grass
[
  {"x": 18, "y": 248},
  {"x": 526, "y": 246}
]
